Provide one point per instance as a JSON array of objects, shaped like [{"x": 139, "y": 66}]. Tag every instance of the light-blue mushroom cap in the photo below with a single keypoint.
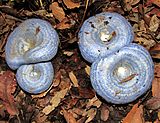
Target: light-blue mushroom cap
[
  {"x": 103, "y": 34},
  {"x": 32, "y": 41},
  {"x": 109, "y": 74},
  {"x": 35, "y": 78}
]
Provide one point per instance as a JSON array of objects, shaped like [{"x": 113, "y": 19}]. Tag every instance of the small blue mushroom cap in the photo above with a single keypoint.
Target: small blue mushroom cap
[
  {"x": 35, "y": 78},
  {"x": 103, "y": 34}
]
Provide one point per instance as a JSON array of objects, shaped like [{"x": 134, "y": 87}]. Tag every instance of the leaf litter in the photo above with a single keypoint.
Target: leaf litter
[{"x": 71, "y": 97}]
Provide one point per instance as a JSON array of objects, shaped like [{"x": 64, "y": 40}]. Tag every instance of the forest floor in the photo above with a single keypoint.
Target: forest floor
[{"x": 71, "y": 98}]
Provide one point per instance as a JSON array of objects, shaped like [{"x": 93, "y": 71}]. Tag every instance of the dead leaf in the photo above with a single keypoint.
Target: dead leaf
[
  {"x": 90, "y": 114},
  {"x": 135, "y": 115},
  {"x": 73, "y": 79},
  {"x": 55, "y": 101},
  {"x": 155, "y": 11},
  {"x": 155, "y": 87},
  {"x": 40, "y": 118},
  {"x": 57, "y": 11},
  {"x": 71, "y": 103},
  {"x": 155, "y": 51},
  {"x": 142, "y": 26},
  {"x": 79, "y": 111},
  {"x": 87, "y": 69},
  {"x": 148, "y": 43},
  {"x": 94, "y": 102},
  {"x": 104, "y": 113},
  {"x": 130, "y": 3},
  {"x": 86, "y": 92},
  {"x": 71, "y": 5},
  {"x": 157, "y": 2},
  {"x": 157, "y": 70},
  {"x": 57, "y": 79},
  {"x": 153, "y": 103},
  {"x": 8, "y": 86},
  {"x": 66, "y": 23},
  {"x": 154, "y": 23},
  {"x": 81, "y": 120},
  {"x": 133, "y": 2},
  {"x": 69, "y": 117}
]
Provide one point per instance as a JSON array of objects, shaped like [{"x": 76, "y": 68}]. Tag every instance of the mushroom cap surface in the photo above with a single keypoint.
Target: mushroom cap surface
[
  {"x": 32, "y": 41},
  {"x": 123, "y": 76},
  {"x": 103, "y": 34},
  {"x": 35, "y": 78}
]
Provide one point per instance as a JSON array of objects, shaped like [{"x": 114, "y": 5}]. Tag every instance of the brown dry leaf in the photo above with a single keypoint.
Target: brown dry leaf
[
  {"x": 86, "y": 92},
  {"x": 155, "y": 87},
  {"x": 154, "y": 23},
  {"x": 66, "y": 23},
  {"x": 79, "y": 111},
  {"x": 135, "y": 115},
  {"x": 73, "y": 113},
  {"x": 157, "y": 2},
  {"x": 90, "y": 114},
  {"x": 104, "y": 113},
  {"x": 55, "y": 101},
  {"x": 155, "y": 11},
  {"x": 71, "y": 5},
  {"x": 142, "y": 27},
  {"x": 57, "y": 11},
  {"x": 94, "y": 102},
  {"x": 132, "y": 2},
  {"x": 155, "y": 51},
  {"x": 157, "y": 70},
  {"x": 8, "y": 86},
  {"x": 88, "y": 69},
  {"x": 73, "y": 79},
  {"x": 69, "y": 117},
  {"x": 148, "y": 43},
  {"x": 153, "y": 103},
  {"x": 40, "y": 118},
  {"x": 71, "y": 103}
]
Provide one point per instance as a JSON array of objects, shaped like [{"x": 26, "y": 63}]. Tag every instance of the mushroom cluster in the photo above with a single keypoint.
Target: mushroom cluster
[
  {"x": 29, "y": 48},
  {"x": 121, "y": 71}
]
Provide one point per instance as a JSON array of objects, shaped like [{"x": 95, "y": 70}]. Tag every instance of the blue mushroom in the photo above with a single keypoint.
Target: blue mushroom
[
  {"x": 35, "y": 78},
  {"x": 103, "y": 34},
  {"x": 124, "y": 75},
  {"x": 29, "y": 48},
  {"x": 32, "y": 41}
]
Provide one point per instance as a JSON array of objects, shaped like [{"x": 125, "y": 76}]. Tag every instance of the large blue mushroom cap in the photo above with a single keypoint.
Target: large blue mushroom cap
[{"x": 123, "y": 76}]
